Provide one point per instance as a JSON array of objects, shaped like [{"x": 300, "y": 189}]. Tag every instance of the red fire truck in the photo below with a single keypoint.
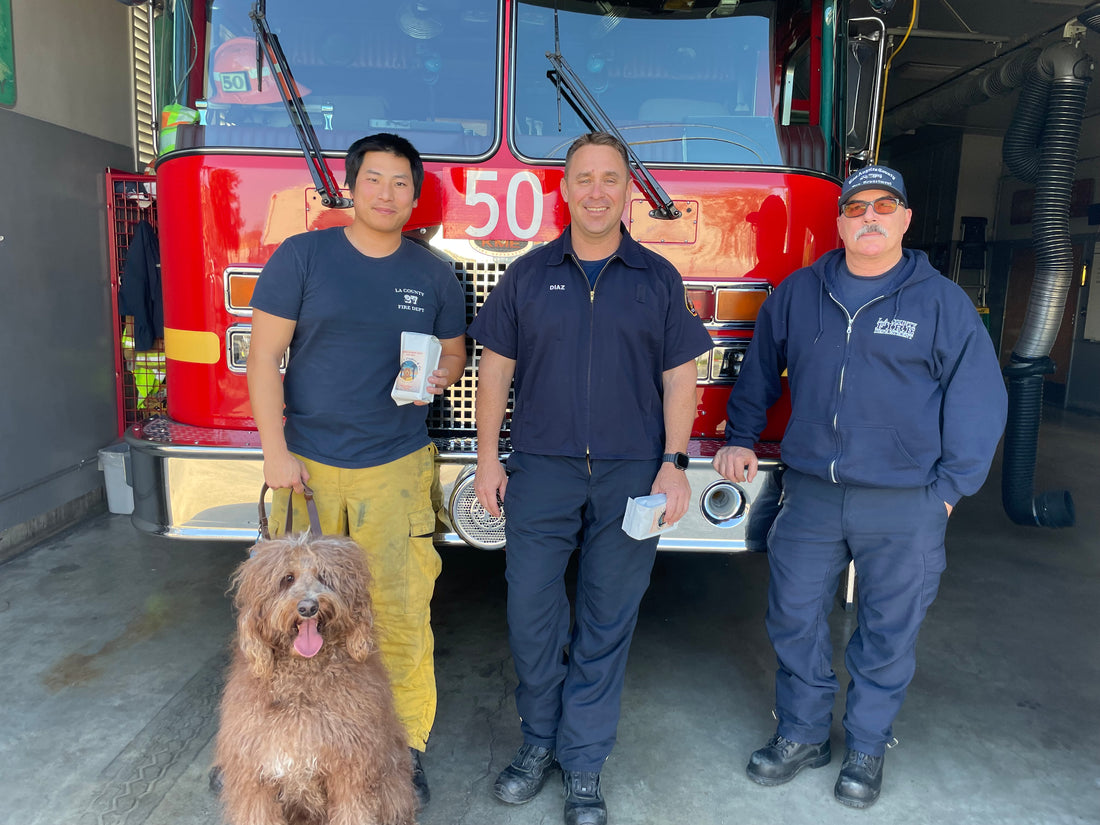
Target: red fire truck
[{"x": 742, "y": 116}]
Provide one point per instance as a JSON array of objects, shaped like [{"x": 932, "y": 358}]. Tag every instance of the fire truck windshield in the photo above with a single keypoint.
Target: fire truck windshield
[
  {"x": 683, "y": 86},
  {"x": 427, "y": 70}
]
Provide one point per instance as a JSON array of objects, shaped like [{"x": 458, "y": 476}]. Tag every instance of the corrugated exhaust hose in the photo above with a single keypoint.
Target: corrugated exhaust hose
[{"x": 1041, "y": 147}]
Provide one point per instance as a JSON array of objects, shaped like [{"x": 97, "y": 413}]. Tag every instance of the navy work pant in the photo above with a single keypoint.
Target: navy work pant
[
  {"x": 895, "y": 537},
  {"x": 554, "y": 506}
]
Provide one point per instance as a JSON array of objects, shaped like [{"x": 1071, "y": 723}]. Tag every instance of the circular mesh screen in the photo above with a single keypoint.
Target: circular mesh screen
[{"x": 472, "y": 521}]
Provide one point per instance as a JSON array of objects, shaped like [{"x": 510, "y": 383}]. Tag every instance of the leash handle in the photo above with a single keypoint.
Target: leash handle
[
  {"x": 311, "y": 508},
  {"x": 314, "y": 518}
]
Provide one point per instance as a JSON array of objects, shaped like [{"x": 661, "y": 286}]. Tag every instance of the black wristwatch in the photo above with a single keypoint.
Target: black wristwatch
[{"x": 678, "y": 460}]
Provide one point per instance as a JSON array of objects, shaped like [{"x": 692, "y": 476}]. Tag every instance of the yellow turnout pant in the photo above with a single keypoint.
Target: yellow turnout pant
[{"x": 389, "y": 511}]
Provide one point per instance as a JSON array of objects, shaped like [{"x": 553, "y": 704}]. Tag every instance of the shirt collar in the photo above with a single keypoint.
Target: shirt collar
[{"x": 629, "y": 251}]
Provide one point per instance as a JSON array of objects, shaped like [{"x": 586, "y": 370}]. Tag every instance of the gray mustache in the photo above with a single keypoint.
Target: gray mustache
[{"x": 868, "y": 228}]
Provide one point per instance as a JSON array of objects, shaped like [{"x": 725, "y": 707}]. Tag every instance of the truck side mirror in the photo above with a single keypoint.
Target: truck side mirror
[{"x": 866, "y": 56}]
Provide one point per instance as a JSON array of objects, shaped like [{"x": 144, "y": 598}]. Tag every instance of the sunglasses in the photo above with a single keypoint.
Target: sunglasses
[{"x": 883, "y": 206}]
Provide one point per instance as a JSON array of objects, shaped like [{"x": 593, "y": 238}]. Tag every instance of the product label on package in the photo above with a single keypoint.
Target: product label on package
[{"x": 419, "y": 356}]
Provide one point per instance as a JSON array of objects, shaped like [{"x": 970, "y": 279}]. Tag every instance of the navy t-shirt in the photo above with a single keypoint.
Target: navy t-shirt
[
  {"x": 592, "y": 269},
  {"x": 854, "y": 291},
  {"x": 350, "y": 311}
]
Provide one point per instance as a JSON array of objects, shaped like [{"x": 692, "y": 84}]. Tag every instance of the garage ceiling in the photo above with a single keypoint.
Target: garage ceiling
[{"x": 951, "y": 39}]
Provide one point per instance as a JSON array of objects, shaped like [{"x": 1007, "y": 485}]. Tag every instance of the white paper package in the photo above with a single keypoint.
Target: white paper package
[
  {"x": 419, "y": 357},
  {"x": 645, "y": 517}
]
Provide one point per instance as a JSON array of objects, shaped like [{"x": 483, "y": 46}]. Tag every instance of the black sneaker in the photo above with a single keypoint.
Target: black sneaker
[
  {"x": 860, "y": 779},
  {"x": 779, "y": 760},
  {"x": 522, "y": 780},
  {"x": 584, "y": 803},
  {"x": 420, "y": 781}
]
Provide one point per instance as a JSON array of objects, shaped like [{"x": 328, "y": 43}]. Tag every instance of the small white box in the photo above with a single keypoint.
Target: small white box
[
  {"x": 645, "y": 517},
  {"x": 419, "y": 357}
]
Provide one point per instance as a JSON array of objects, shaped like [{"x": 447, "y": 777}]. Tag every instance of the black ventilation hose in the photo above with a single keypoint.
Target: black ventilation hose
[
  {"x": 1021, "y": 142},
  {"x": 1025, "y": 409},
  {"x": 1091, "y": 18},
  {"x": 1041, "y": 146}
]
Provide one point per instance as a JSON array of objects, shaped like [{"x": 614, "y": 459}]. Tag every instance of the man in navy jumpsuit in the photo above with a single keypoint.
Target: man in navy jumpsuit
[
  {"x": 601, "y": 342},
  {"x": 897, "y": 407}
]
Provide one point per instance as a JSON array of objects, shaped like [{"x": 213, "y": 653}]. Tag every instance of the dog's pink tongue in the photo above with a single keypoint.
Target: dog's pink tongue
[{"x": 308, "y": 640}]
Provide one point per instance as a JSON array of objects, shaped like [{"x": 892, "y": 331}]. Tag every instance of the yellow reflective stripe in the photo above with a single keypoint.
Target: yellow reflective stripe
[{"x": 191, "y": 346}]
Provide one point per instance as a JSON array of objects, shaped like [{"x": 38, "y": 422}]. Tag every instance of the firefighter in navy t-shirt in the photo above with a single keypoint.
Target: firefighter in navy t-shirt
[{"x": 340, "y": 299}]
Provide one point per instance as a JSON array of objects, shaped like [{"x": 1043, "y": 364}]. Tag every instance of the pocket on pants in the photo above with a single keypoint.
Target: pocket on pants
[{"x": 422, "y": 562}]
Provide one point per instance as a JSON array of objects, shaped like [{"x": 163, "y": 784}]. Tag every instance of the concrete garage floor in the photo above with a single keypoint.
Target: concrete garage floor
[{"x": 114, "y": 646}]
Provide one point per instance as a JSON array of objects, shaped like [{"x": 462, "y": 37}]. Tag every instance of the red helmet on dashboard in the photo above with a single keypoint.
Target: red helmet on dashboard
[{"x": 233, "y": 75}]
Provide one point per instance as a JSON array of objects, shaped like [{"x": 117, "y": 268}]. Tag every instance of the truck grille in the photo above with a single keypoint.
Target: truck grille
[{"x": 453, "y": 414}]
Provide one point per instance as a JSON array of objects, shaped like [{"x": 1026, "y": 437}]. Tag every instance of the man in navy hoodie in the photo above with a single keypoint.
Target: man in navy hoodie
[{"x": 897, "y": 405}]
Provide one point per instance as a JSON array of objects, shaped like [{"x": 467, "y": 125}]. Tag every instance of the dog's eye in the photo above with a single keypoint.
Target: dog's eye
[
  {"x": 288, "y": 580},
  {"x": 323, "y": 579}
]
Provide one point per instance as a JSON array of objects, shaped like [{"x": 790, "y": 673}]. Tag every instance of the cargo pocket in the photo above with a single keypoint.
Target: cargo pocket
[{"x": 422, "y": 563}]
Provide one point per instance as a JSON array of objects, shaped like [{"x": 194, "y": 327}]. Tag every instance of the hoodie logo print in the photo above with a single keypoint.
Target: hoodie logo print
[{"x": 896, "y": 326}]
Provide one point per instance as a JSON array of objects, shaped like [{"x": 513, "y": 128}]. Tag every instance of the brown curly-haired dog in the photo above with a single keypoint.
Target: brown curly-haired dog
[{"x": 308, "y": 729}]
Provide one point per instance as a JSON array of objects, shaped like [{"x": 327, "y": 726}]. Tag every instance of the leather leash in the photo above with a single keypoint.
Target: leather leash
[{"x": 311, "y": 508}]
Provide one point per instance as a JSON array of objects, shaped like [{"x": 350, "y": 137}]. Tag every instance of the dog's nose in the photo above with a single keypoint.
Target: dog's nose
[{"x": 307, "y": 608}]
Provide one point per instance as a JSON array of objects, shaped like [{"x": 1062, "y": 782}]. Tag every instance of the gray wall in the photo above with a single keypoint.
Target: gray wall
[
  {"x": 57, "y": 365},
  {"x": 57, "y": 381}
]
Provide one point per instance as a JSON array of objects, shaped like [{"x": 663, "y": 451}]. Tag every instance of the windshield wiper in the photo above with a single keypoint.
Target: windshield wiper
[
  {"x": 268, "y": 43},
  {"x": 596, "y": 119}
]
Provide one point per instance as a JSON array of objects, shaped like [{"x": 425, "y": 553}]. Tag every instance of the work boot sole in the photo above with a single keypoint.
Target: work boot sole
[
  {"x": 853, "y": 802},
  {"x": 772, "y": 781}
]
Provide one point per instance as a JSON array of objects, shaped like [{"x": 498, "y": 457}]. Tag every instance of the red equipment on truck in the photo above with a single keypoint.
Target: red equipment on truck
[{"x": 748, "y": 113}]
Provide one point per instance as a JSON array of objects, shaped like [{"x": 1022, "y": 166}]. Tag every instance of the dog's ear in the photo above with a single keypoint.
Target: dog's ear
[
  {"x": 360, "y": 641},
  {"x": 252, "y": 597},
  {"x": 256, "y": 650},
  {"x": 355, "y": 582},
  {"x": 346, "y": 572}
]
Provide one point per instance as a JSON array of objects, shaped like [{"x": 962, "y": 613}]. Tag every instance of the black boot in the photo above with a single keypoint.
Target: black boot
[
  {"x": 522, "y": 780},
  {"x": 860, "y": 779},
  {"x": 420, "y": 781},
  {"x": 779, "y": 760},
  {"x": 584, "y": 803}
]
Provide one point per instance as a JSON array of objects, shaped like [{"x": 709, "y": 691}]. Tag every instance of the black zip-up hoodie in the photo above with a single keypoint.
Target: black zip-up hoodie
[{"x": 905, "y": 392}]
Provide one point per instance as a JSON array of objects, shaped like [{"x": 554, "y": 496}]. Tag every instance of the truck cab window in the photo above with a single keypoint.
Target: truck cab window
[
  {"x": 425, "y": 71},
  {"x": 683, "y": 86}
]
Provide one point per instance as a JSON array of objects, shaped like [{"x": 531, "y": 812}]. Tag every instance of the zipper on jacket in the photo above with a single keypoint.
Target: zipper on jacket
[
  {"x": 591, "y": 347},
  {"x": 840, "y": 383}
]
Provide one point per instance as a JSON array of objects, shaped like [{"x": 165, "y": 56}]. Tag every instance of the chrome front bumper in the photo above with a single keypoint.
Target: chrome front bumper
[
  {"x": 696, "y": 533},
  {"x": 197, "y": 483}
]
